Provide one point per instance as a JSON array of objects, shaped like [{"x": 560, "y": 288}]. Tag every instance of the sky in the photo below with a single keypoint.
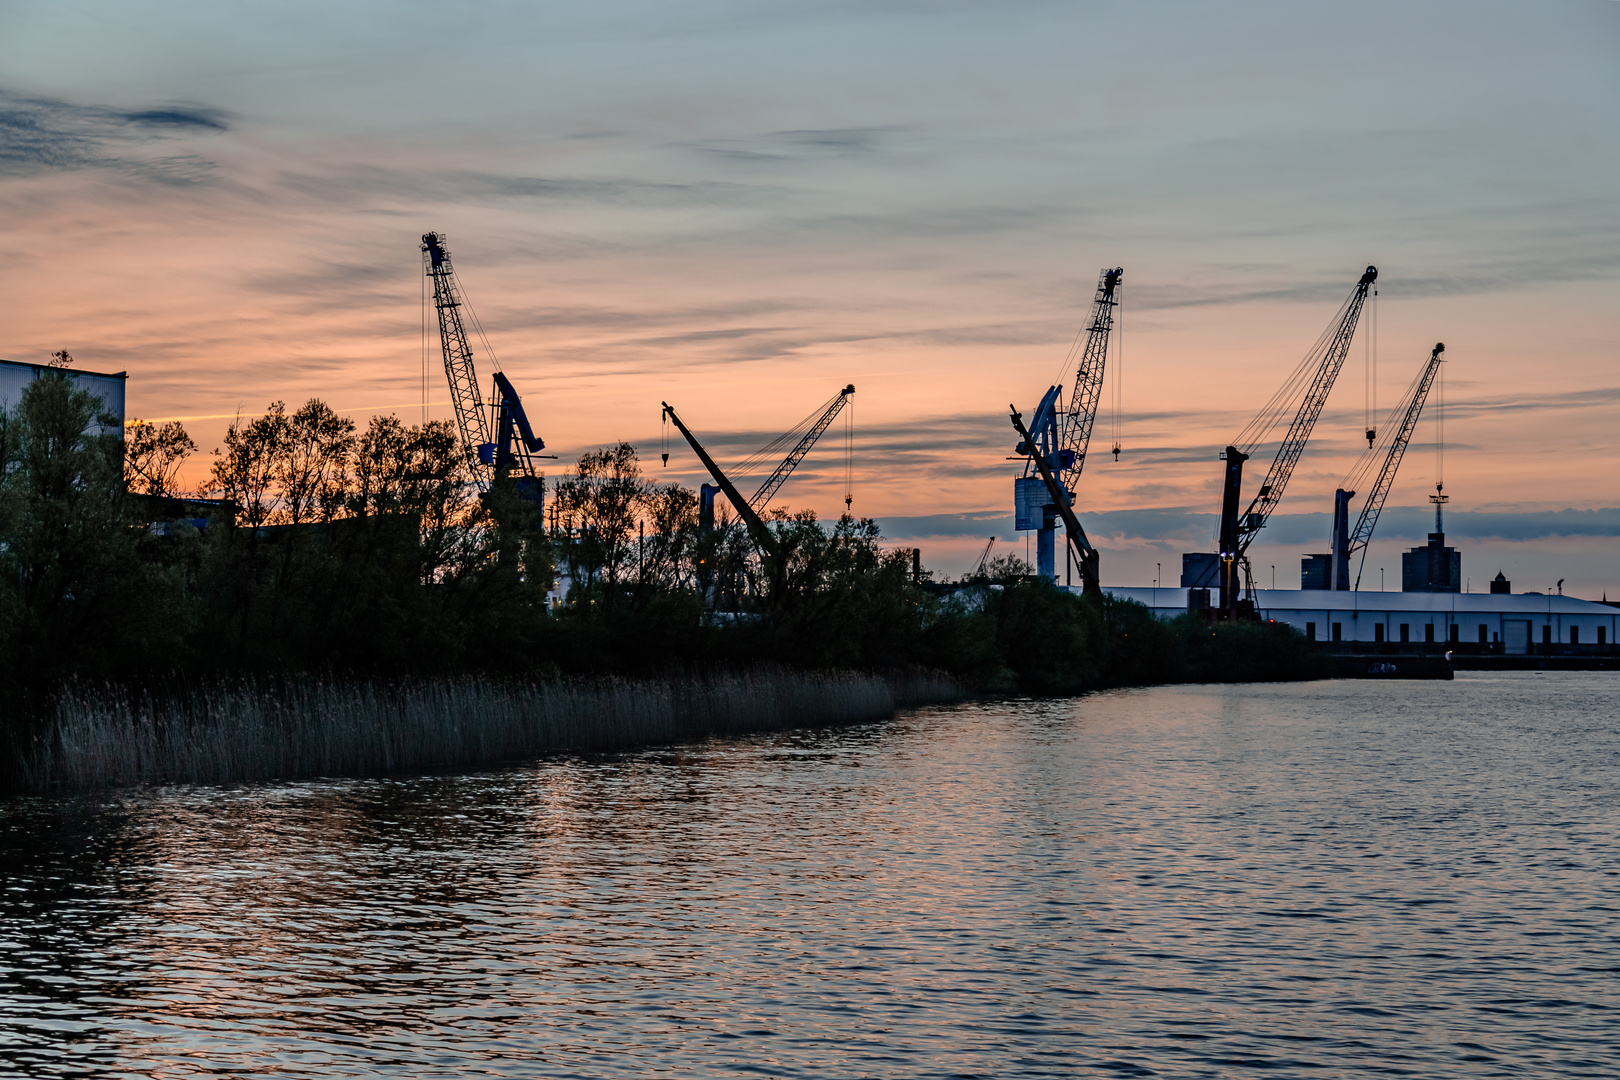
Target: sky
[{"x": 739, "y": 208}]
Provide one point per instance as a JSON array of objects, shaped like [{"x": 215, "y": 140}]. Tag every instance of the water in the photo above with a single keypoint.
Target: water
[{"x": 1329, "y": 879}]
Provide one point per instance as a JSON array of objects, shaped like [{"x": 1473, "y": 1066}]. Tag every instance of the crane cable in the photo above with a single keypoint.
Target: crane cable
[
  {"x": 1118, "y": 342},
  {"x": 1369, "y": 395},
  {"x": 424, "y": 352},
  {"x": 849, "y": 454},
  {"x": 771, "y": 450},
  {"x": 1285, "y": 402},
  {"x": 1440, "y": 432},
  {"x": 1362, "y": 470}
]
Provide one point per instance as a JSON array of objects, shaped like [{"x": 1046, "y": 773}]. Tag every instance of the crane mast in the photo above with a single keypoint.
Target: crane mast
[
  {"x": 1409, "y": 409},
  {"x": 1081, "y": 415},
  {"x": 458, "y": 357},
  {"x": 1060, "y": 431},
  {"x": 1319, "y": 371}
]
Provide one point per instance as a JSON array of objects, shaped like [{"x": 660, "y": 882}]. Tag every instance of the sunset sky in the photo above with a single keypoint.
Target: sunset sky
[{"x": 739, "y": 208}]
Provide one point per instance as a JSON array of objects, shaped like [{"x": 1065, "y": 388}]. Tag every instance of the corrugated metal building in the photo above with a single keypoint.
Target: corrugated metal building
[{"x": 15, "y": 377}]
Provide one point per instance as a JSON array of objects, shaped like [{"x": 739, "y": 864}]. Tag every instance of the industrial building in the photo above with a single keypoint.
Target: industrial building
[
  {"x": 16, "y": 375},
  {"x": 1506, "y": 623}
]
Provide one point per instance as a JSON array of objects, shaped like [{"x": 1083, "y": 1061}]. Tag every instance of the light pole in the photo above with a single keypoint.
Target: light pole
[
  {"x": 1158, "y": 570},
  {"x": 1273, "y": 577}
]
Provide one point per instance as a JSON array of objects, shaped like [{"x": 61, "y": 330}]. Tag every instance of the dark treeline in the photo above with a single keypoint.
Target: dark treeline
[{"x": 341, "y": 551}]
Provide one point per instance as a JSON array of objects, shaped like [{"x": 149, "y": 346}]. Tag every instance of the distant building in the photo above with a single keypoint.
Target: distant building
[
  {"x": 1200, "y": 570},
  {"x": 1432, "y": 568},
  {"x": 16, "y": 375},
  {"x": 1500, "y": 585},
  {"x": 1316, "y": 572}
]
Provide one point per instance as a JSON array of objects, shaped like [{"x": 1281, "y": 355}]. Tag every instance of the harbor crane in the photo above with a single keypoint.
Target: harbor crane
[
  {"x": 1060, "y": 501},
  {"x": 1060, "y": 429},
  {"x": 749, "y": 510},
  {"x": 1402, "y": 422},
  {"x": 1310, "y": 384},
  {"x": 508, "y": 455}
]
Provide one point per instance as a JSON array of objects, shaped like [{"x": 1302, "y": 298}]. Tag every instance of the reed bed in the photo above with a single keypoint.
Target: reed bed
[{"x": 247, "y": 732}]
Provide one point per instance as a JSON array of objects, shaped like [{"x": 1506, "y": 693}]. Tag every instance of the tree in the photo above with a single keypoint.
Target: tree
[
  {"x": 599, "y": 506},
  {"x": 245, "y": 473},
  {"x": 153, "y": 455},
  {"x": 72, "y": 591},
  {"x": 312, "y": 469}
]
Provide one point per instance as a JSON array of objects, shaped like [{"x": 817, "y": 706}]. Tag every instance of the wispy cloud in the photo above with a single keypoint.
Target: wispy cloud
[
  {"x": 45, "y": 134},
  {"x": 799, "y": 146},
  {"x": 1184, "y": 525}
]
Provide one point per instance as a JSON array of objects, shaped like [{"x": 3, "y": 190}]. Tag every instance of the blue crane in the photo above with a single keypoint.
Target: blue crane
[
  {"x": 1309, "y": 384},
  {"x": 1062, "y": 504},
  {"x": 1059, "y": 433},
  {"x": 508, "y": 455}
]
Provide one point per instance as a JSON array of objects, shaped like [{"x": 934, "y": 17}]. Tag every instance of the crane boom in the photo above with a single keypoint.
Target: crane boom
[
  {"x": 458, "y": 357},
  {"x": 774, "y": 482},
  {"x": 1318, "y": 371},
  {"x": 1409, "y": 409},
  {"x": 1310, "y": 407},
  {"x": 756, "y": 527},
  {"x": 1081, "y": 416}
]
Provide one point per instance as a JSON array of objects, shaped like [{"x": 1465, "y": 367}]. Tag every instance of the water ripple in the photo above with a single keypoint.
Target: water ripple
[{"x": 1329, "y": 879}]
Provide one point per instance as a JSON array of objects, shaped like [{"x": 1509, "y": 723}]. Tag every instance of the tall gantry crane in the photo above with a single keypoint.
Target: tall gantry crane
[
  {"x": 1060, "y": 428},
  {"x": 1310, "y": 385},
  {"x": 749, "y": 510},
  {"x": 510, "y": 454},
  {"x": 1347, "y": 542}
]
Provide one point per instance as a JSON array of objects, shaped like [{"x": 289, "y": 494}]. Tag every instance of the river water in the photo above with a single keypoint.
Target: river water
[{"x": 1324, "y": 879}]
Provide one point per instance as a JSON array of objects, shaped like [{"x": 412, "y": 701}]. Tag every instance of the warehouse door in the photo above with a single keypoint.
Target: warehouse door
[{"x": 1516, "y": 636}]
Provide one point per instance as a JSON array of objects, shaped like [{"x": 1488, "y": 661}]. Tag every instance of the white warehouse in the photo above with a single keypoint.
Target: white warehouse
[{"x": 1514, "y": 623}]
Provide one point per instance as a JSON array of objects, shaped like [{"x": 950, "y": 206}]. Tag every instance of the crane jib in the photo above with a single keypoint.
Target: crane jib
[
  {"x": 774, "y": 482},
  {"x": 1310, "y": 408},
  {"x": 1410, "y": 409}
]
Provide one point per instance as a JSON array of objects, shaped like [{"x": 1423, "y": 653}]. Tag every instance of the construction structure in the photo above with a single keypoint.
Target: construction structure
[
  {"x": 499, "y": 441},
  {"x": 1303, "y": 395},
  {"x": 803, "y": 435},
  {"x": 1332, "y": 569},
  {"x": 1055, "y": 442}
]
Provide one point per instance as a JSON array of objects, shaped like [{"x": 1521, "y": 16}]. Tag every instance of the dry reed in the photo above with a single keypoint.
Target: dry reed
[{"x": 102, "y": 738}]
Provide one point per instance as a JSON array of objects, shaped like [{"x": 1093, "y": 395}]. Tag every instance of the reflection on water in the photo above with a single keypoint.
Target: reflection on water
[{"x": 1327, "y": 879}]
